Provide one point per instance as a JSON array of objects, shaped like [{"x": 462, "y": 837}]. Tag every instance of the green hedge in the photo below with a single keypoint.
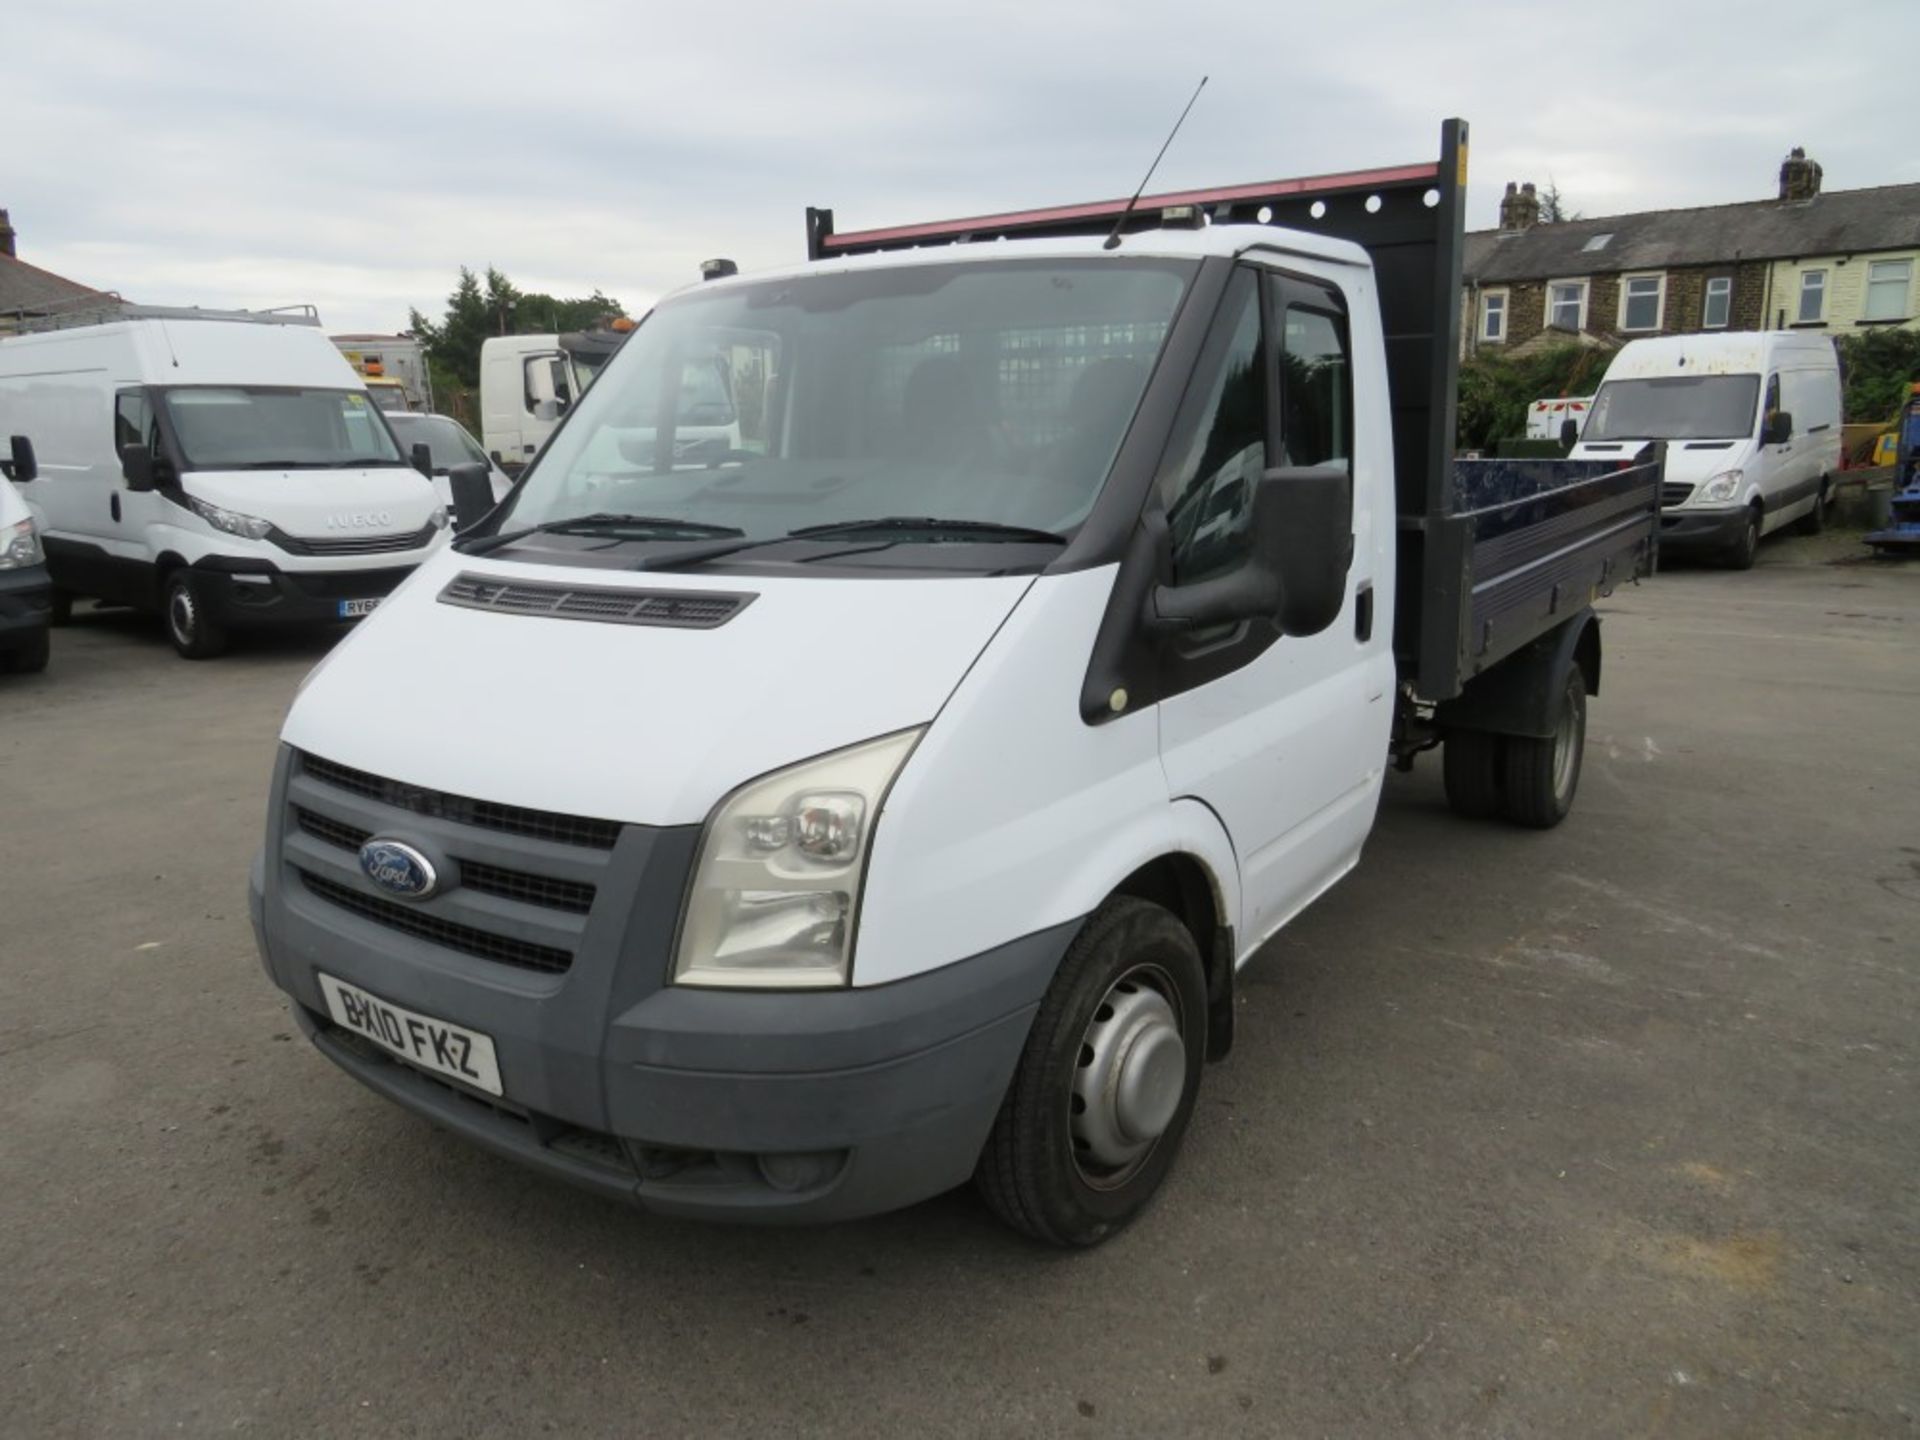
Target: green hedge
[
  {"x": 1495, "y": 390},
  {"x": 1881, "y": 367}
]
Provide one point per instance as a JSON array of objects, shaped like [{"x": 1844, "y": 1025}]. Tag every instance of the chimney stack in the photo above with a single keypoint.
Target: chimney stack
[
  {"x": 1799, "y": 176},
  {"x": 1519, "y": 207},
  {"x": 6, "y": 234}
]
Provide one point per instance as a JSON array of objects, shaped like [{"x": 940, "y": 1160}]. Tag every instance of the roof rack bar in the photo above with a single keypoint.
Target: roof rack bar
[
  {"x": 106, "y": 309},
  {"x": 1098, "y": 215}
]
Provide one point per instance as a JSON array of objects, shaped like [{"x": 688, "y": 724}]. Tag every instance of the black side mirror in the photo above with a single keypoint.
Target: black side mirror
[
  {"x": 422, "y": 457},
  {"x": 136, "y": 466},
  {"x": 1300, "y": 533},
  {"x": 1569, "y": 433},
  {"x": 472, "y": 493},
  {"x": 22, "y": 467},
  {"x": 1779, "y": 428}
]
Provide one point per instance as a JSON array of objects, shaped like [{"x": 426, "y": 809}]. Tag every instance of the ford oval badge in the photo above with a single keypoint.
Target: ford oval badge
[{"x": 399, "y": 869}]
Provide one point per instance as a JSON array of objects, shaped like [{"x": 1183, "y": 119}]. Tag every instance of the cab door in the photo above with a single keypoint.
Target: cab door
[{"x": 1284, "y": 737}]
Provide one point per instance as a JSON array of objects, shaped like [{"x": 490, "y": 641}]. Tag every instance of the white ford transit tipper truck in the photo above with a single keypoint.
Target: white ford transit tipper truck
[
  {"x": 892, "y": 799},
  {"x": 224, "y": 468},
  {"x": 1752, "y": 422}
]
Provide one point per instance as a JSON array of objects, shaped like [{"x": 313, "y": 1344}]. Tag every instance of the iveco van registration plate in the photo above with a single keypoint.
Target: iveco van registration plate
[
  {"x": 446, "y": 1049},
  {"x": 350, "y": 609}
]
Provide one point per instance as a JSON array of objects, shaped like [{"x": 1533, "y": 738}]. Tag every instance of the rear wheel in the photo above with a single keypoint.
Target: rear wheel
[
  {"x": 195, "y": 633},
  {"x": 1106, "y": 1084},
  {"x": 1746, "y": 549},
  {"x": 29, "y": 656},
  {"x": 1542, "y": 773},
  {"x": 1815, "y": 520},
  {"x": 1470, "y": 766}
]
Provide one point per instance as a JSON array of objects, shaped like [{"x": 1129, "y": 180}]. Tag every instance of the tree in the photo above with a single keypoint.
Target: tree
[
  {"x": 496, "y": 306},
  {"x": 1496, "y": 389},
  {"x": 1553, "y": 205}
]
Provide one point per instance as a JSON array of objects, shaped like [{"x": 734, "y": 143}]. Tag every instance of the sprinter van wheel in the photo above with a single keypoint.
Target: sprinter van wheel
[
  {"x": 1105, "y": 1087},
  {"x": 1542, "y": 773},
  {"x": 30, "y": 656},
  {"x": 194, "y": 632},
  {"x": 1746, "y": 549},
  {"x": 1470, "y": 764}
]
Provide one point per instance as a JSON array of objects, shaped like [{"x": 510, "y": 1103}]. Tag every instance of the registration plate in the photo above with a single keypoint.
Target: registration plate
[
  {"x": 349, "y": 609},
  {"x": 446, "y": 1049}
]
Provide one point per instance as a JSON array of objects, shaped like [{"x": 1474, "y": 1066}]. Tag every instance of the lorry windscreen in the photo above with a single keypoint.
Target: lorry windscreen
[
  {"x": 1675, "y": 407},
  {"x": 993, "y": 392},
  {"x": 275, "y": 427}
]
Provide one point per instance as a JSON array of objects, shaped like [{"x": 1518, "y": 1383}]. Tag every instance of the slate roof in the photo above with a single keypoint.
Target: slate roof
[
  {"x": 28, "y": 288},
  {"x": 1842, "y": 222}
]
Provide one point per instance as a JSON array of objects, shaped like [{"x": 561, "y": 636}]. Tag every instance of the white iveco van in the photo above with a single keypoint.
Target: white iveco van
[
  {"x": 1752, "y": 421},
  {"x": 223, "y": 468}
]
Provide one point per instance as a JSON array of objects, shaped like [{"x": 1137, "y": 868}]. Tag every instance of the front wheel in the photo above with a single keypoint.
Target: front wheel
[
  {"x": 30, "y": 656},
  {"x": 1543, "y": 773},
  {"x": 1746, "y": 549},
  {"x": 195, "y": 633},
  {"x": 1106, "y": 1084}
]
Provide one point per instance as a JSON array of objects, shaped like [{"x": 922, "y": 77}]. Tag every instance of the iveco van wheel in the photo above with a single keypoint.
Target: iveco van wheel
[
  {"x": 1815, "y": 520},
  {"x": 1096, "y": 1111},
  {"x": 194, "y": 632},
  {"x": 1747, "y": 548},
  {"x": 1542, "y": 773},
  {"x": 1470, "y": 764}
]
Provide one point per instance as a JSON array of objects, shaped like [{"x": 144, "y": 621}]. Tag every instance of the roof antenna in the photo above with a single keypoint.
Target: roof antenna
[{"x": 1112, "y": 241}]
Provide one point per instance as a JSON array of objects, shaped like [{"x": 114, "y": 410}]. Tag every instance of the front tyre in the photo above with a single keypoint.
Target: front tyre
[
  {"x": 1106, "y": 1084},
  {"x": 195, "y": 633},
  {"x": 28, "y": 656},
  {"x": 1746, "y": 549},
  {"x": 1543, "y": 773}
]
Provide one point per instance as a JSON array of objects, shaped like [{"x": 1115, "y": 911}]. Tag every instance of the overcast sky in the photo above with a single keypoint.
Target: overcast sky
[{"x": 354, "y": 156}]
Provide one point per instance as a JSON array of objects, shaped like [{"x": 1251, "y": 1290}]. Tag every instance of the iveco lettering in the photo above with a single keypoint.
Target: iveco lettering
[{"x": 914, "y": 685}]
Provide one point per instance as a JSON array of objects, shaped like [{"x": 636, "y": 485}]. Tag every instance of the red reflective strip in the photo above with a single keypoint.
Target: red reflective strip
[{"x": 1108, "y": 209}]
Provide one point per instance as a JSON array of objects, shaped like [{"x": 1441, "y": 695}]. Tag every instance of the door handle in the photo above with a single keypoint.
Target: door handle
[
  {"x": 113, "y": 506},
  {"x": 1363, "y": 612}
]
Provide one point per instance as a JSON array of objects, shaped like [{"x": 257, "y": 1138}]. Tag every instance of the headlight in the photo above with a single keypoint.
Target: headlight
[
  {"x": 231, "y": 521},
  {"x": 20, "y": 546},
  {"x": 438, "y": 519},
  {"x": 776, "y": 893},
  {"x": 1725, "y": 485}
]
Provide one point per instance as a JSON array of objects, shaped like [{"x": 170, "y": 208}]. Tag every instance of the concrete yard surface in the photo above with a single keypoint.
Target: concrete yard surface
[{"x": 1612, "y": 1130}]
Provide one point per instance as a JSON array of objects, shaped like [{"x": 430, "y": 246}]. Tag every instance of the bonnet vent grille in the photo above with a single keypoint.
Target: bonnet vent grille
[{"x": 677, "y": 609}]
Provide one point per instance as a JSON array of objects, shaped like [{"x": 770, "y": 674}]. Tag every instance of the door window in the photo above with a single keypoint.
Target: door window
[
  {"x": 133, "y": 421},
  {"x": 546, "y": 379},
  {"x": 1219, "y": 445},
  {"x": 1772, "y": 402},
  {"x": 1316, "y": 386}
]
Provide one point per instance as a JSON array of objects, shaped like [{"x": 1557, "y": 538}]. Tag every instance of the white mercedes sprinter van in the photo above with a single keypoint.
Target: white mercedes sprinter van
[
  {"x": 222, "y": 468},
  {"x": 1752, "y": 421}
]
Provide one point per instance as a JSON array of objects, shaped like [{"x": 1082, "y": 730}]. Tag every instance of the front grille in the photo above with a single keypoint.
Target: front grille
[
  {"x": 510, "y": 884},
  {"x": 487, "y": 814},
  {"x": 345, "y": 584},
  {"x": 1675, "y": 492},
  {"x": 353, "y": 544},
  {"x": 503, "y": 949},
  {"x": 678, "y": 609}
]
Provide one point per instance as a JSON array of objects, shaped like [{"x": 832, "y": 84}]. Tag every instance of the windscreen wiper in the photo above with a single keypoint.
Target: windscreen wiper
[
  {"x": 637, "y": 527},
  {"x": 985, "y": 531}
]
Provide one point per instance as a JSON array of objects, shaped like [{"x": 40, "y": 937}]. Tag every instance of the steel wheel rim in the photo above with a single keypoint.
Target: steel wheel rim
[
  {"x": 1564, "y": 749},
  {"x": 180, "y": 614},
  {"x": 1129, "y": 1077}
]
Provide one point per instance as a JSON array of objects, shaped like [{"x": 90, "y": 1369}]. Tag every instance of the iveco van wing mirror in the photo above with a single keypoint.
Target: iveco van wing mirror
[
  {"x": 136, "y": 465},
  {"x": 422, "y": 457},
  {"x": 472, "y": 486},
  {"x": 1779, "y": 428},
  {"x": 22, "y": 467},
  {"x": 1300, "y": 548}
]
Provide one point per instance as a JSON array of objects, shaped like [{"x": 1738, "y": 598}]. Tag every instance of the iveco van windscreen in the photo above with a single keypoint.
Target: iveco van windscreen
[
  {"x": 1675, "y": 407},
  {"x": 275, "y": 427},
  {"x": 988, "y": 395}
]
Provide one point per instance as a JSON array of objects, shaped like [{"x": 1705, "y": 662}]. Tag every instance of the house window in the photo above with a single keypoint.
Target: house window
[
  {"x": 1813, "y": 296},
  {"x": 1641, "y": 301},
  {"x": 1567, "y": 305},
  {"x": 1493, "y": 317},
  {"x": 1718, "y": 307},
  {"x": 1889, "y": 289}
]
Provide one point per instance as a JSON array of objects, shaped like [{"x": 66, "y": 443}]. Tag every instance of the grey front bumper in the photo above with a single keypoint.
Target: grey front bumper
[{"x": 791, "y": 1106}]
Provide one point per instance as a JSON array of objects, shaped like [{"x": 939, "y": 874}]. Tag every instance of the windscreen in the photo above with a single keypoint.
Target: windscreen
[
  {"x": 273, "y": 427},
  {"x": 1675, "y": 407},
  {"x": 445, "y": 440},
  {"x": 991, "y": 392}
]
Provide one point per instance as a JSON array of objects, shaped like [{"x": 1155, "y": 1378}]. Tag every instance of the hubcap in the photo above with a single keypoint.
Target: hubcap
[{"x": 1131, "y": 1074}]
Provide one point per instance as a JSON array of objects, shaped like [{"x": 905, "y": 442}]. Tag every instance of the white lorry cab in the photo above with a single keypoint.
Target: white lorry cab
[
  {"x": 225, "y": 469},
  {"x": 891, "y": 797},
  {"x": 1752, "y": 423}
]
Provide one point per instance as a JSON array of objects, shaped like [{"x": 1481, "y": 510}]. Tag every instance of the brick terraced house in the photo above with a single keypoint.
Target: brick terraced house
[
  {"x": 1837, "y": 262},
  {"x": 29, "y": 294}
]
